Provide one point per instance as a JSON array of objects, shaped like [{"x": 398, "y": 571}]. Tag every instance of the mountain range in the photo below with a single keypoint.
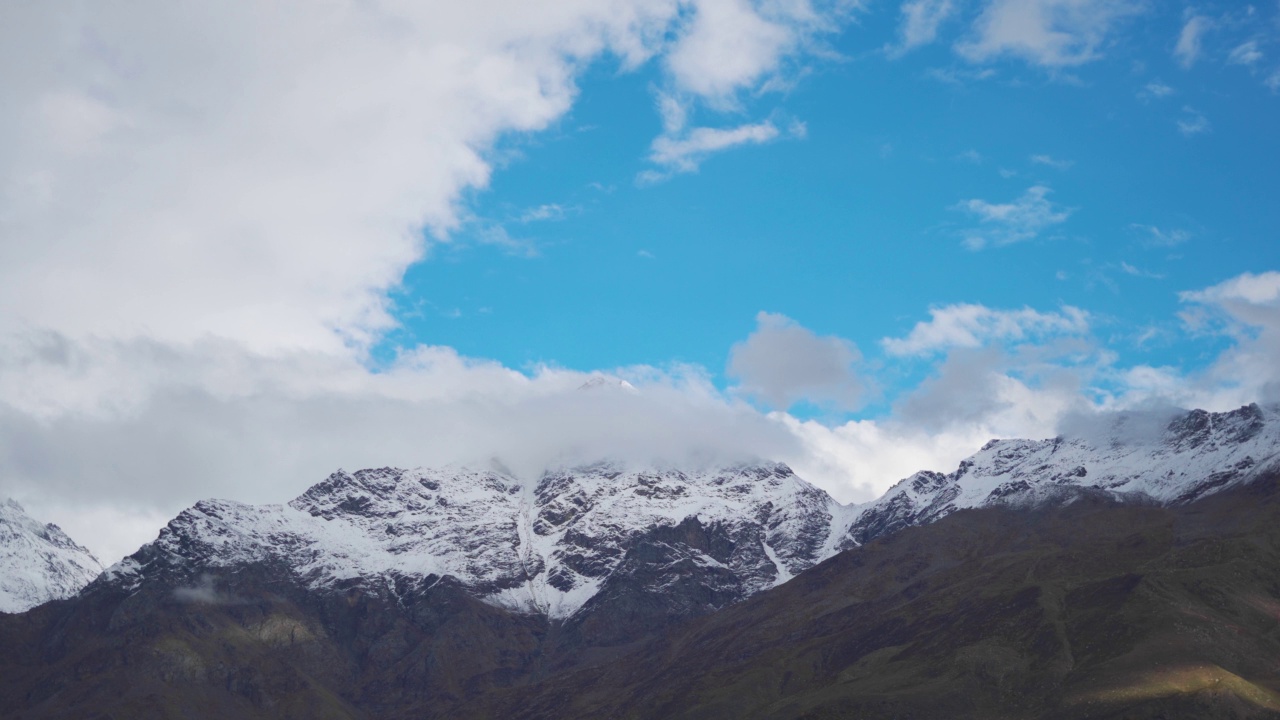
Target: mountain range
[{"x": 607, "y": 590}]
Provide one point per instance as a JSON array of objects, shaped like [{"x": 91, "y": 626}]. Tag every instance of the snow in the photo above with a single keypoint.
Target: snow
[
  {"x": 38, "y": 562},
  {"x": 549, "y": 545},
  {"x": 1187, "y": 457},
  {"x": 540, "y": 548}
]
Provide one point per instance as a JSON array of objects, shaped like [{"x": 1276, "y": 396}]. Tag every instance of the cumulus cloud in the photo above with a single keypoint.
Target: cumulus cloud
[
  {"x": 146, "y": 429},
  {"x": 783, "y": 363},
  {"x": 1051, "y": 33},
  {"x": 1190, "y": 40},
  {"x": 973, "y": 326},
  {"x": 730, "y": 44},
  {"x": 1008, "y": 223},
  {"x": 1245, "y": 312},
  {"x": 205, "y": 209},
  {"x": 271, "y": 173}
]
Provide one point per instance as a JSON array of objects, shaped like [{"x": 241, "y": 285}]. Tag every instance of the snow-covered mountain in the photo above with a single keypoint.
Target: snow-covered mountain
[
  {"x": 546, "y": 547},
  {"x": 1176, "y": 460},
  {"x": 580, "y": 538},
  {"x": 38, "y": 562}
]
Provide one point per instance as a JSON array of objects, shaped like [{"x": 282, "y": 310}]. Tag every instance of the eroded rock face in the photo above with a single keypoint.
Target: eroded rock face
[
  {"x": 546, "y": 549},
  {"x": 38, "y": 562}
]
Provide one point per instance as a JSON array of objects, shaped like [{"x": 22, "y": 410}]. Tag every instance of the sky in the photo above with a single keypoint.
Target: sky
[{"x": 243, "y": 246}]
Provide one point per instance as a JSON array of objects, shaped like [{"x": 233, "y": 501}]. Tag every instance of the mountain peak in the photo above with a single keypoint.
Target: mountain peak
[
  {"x": 38, "y": 562},
  {"x": 1167, "y": 457}
]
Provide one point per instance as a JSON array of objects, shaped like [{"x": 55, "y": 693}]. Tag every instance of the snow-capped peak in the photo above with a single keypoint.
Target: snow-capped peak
[
  {"x": 1169, "y": 459},
  {"x": 544, "y": 548},
  {"x": 38, "y": 562},
  {"x": 579, "y": 533}
]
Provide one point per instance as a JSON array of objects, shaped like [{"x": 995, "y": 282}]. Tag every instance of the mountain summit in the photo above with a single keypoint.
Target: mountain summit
[
  {"x": 38, "y": 562},
  {"x": 547, "y": 548}
]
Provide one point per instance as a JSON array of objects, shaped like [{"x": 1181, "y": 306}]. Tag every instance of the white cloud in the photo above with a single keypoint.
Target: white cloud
[
  {"x": 1242, "y": 292},
  {"x": 783, "y": 363},
  {"x": 1153, "y": 236},
  {"x": 1273, "y": 81},
  {"x": 1052, "y": 33},
  {"x": 203, "y": 209},
  {"x": 1245, "y": 54},
  {"x": 96, "y": 429},
  {"x": 1246, "y": 308},
  {"x": 1050, "y": 161},
  {"x": 730, "y": 44},
  {"x": 546, "y": 212},
  {"x": 920, "y": 22},
  {"x": 974, "y": 326},
  {"x": 1156, "y": 90},
  {"x": 1193, "y": 122},
  {"x": 685, "y": 153},
  {"x": 1190, "y": 40},
  {"x": 268, "y": 174},
  {"x": 1128, "y": 269},
  {"x": 1008, "y": 223},
  {"x": 869, "y": 456}
]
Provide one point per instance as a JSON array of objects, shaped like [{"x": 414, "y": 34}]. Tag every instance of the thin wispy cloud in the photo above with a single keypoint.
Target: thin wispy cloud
[
  {"x": 960, "y": 76},
  {"x": 1050, "y": 161},
  {"x": 1153, "y": 236},
  {"x": 1193, "y": 122},
  {"x": 973, "y": 326},
  {"x": 920, "y": 22},
  {"x": 1006, "y": 223},
  {"x": 1155, "y": 90},
  {"x": 685, "y": 153},
  {"x": 1245, "y": 54},
  {"x": 543, "y": 213},
  {"x": 1135, "y": 271},
  {"x": 1191, "y": 40}
]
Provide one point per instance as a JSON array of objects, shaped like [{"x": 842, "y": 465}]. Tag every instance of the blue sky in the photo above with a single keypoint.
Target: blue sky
[
  {"x": 244, "y": 245},
  {"x": 1159, "y": 177}
]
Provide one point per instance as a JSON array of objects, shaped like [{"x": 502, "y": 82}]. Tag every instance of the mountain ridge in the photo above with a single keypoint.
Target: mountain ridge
[
  {"x": 549, "y": 546},
  {"x": 38, "y": 561}
]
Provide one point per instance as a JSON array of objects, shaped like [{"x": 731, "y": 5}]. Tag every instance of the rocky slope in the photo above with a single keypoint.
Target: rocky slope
[
  {"x": 547, "y": 548},
  {"x": 38, "y": 562},
  {"x": 1099, "y": 610}
]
